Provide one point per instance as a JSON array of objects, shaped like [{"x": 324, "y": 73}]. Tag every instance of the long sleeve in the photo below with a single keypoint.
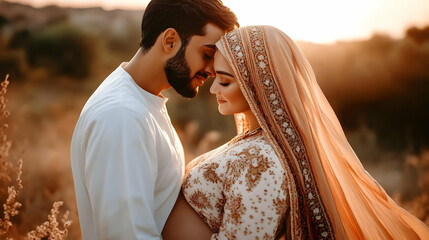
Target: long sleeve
[
  {"x": 254, "y": 190},
  {"x": 120, "y": 175}
]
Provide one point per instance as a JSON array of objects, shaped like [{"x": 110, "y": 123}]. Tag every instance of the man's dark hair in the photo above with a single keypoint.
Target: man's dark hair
[{"x": 187, "y": 17}]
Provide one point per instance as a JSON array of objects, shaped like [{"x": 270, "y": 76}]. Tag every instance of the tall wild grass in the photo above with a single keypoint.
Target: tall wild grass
[{"x": 10, "y": 177}]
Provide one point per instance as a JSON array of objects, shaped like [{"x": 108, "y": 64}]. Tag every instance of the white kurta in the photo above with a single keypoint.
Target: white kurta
[{"x": 127, "y": 162}]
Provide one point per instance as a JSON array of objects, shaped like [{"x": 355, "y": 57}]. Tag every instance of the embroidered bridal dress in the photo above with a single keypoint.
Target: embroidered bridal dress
[
  {"x": 298, "y": 172},
  {"x": 239, "y": 189}
]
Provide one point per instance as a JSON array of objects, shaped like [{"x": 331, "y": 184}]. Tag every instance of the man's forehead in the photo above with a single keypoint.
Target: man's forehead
[{"x": 212, "y": 32}]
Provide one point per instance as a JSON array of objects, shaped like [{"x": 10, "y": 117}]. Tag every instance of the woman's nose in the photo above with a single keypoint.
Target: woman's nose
[{"x": 213, "y": 87}]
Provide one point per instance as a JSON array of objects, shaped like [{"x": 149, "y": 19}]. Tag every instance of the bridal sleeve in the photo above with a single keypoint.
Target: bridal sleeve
[
  {"x": 121, "y": 172},
  {"x": 255, "y": 196}
]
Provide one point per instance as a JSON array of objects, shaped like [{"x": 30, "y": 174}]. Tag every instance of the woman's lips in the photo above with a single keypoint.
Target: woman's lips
[{"x": 221, "y": 101}]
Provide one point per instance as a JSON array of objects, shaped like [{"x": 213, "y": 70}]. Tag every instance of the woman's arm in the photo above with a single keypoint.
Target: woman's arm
[{"x": 184, "y": 223}]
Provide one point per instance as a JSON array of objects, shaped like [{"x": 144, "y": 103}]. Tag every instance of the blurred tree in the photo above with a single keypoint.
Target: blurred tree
[
  {"x": 3, "y": 21},
  {"x": 123, "y": 37},
  {"x": 401, "y": 120},
  {"x": 398, "y": 113},
  {"x": 418, "y": 35},
  {"x": 62, "y": 49},
  {"x": 20, "y": 39},
  {"x": 378, "y": 44},
  {"x": 12, "y": 63}
]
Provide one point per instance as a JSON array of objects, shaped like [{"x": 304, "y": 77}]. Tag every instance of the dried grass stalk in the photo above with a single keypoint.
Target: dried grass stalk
[
  {"x": 50, "y": 228},
  {"x": 11, "y": 206}
]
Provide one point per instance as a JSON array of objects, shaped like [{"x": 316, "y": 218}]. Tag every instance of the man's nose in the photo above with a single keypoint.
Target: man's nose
[{"x": 209, "y": 70}]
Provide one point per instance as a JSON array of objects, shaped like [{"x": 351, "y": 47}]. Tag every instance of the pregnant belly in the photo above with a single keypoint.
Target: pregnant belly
[{"x": 184, "y": 223}]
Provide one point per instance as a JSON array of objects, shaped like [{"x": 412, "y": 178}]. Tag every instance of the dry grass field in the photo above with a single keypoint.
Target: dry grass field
[{"x": 378, "y": 87}]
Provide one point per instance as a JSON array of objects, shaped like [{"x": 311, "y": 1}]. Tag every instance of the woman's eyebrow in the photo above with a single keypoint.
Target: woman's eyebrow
[{"x": 225, "y": 73}]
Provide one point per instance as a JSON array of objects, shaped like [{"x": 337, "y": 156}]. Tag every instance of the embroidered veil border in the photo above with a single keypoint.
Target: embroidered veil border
[{"x": 331, "y": 194}]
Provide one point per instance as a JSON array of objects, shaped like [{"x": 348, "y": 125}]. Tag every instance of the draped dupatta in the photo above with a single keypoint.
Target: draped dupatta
[{"x": 331, "y": 194}]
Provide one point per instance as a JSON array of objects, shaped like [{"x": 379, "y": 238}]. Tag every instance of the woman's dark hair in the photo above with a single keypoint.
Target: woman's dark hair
[{"x": 187, "y": 17}]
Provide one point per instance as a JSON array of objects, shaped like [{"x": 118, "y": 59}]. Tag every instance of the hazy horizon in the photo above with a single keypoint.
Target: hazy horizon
[{"x": 311, "y": 20}]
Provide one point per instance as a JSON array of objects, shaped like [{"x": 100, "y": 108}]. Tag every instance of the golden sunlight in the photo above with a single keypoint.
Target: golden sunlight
[
  {"x": 308, "y": 20},
  {"x": 332, "y": 20}
]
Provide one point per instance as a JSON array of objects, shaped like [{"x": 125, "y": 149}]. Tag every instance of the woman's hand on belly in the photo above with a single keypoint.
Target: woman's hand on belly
[{"x": 184, "y": 223}]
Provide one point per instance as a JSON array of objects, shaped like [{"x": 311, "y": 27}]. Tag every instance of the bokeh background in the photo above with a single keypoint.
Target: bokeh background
[{"x": 371, "y": 59}]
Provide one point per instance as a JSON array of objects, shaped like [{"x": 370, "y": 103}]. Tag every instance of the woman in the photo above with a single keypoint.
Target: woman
[{"x": 290, "y": 169}]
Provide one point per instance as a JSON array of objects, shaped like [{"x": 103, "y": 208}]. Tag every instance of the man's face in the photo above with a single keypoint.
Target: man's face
[{"x": 193, "y": 64}]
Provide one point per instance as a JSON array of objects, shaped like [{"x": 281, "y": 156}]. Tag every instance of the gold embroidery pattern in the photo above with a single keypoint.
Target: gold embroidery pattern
[
  {"x": 214, "y": 224},
  {"x": 284, "y": 183},
  {"x": 210, "y": 173},
  {"x": 200, "y": 200},
  {"x": 186, "y": 181},
  {"x": 229, "y": 235},
  {"x": 280, "y": 112},
  {"x": 280, "y": 205},
  {"x": 220, "y": 204},
  {"x": 256, "y": 164},
  {"x": 268, "y": 237},
  {"x": 236, "y": 208},
  {"x": 225, "y": 204}
]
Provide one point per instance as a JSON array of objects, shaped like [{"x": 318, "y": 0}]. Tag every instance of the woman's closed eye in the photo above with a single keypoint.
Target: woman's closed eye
[
  {"x": 225, "y": 78},
  {"x": 207, "y": 57}
]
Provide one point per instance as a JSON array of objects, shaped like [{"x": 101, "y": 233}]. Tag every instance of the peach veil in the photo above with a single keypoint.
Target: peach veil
[{"x": 331, "y": 194}]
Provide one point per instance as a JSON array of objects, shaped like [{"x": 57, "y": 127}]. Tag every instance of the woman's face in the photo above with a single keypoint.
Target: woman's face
[{"x": 226, "y": 88}]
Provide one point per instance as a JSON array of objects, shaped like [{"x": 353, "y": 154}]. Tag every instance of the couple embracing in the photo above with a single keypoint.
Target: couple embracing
[{"x": 288, "y": 174}]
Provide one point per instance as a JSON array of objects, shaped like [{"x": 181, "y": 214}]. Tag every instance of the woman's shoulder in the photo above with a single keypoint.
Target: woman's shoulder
[
  {"x": 235, "y": 153},
  {"x": 205, "y": 157},
  {"x": 257, "y": 145},
  {"x": 254, "y": 151},
  {"x": 254, "y": 164}
]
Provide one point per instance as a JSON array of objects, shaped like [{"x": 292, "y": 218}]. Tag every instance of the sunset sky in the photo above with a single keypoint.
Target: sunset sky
[{"x": 310, "y": 20}]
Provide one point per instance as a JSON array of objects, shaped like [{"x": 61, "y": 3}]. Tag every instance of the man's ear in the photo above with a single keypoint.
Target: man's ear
[{"x": 171, "y": 41}]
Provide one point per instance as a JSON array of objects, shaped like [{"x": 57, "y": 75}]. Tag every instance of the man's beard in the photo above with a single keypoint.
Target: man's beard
[{"x": 178, "y": 74}]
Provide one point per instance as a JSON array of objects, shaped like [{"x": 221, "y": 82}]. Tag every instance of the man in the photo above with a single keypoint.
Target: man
[{"x": 126, "y": 158}]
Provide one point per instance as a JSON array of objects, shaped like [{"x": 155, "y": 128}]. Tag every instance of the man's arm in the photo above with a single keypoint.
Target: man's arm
[{"x": 120, "y": 173}]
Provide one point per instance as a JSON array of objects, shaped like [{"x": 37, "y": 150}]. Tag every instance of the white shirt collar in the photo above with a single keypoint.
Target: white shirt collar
[{"x": 158, "y": 101}]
